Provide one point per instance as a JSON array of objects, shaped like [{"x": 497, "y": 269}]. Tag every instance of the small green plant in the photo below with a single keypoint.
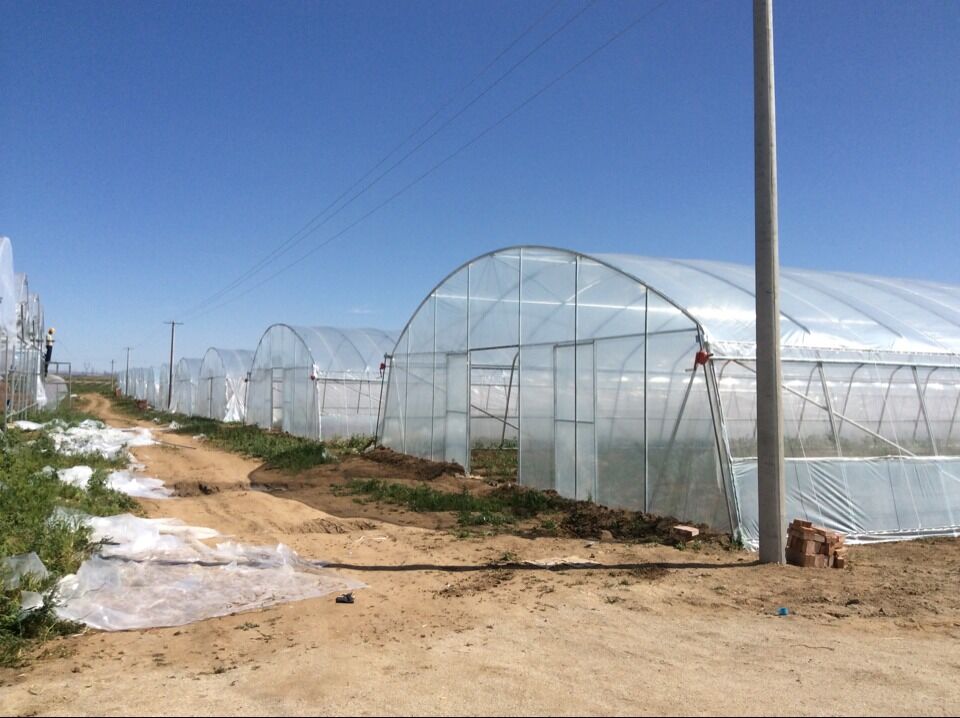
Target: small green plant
[
  {"x": 736, "y": 542},
  {"x": 548, "y": 526}
]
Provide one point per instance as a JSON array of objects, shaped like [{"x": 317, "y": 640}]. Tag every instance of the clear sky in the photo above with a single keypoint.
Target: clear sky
[{"x": 152, "y": 152}]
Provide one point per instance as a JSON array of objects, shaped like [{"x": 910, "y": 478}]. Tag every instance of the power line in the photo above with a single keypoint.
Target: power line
[
  {"x": 300, "y": 234},
  {"x": 476, "y": 138}
]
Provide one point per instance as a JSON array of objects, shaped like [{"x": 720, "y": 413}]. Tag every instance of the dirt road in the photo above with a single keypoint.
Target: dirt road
[{"x": 438, "y": 632}]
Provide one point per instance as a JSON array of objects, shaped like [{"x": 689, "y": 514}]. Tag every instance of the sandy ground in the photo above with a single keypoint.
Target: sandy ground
[{"x": 438, "y": 631}]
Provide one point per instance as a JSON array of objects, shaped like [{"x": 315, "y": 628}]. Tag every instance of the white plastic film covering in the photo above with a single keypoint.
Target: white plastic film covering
[
  {"x": 95, "y": 437},
  {"x": 124, "y": 481},
  {"x": 8, "y": 290},
  {"x": 186, "y": 380},
  {"x": 158, "y": 572},
  {"x": 222, "y": 388},
  {"x": 831, "y": 311},
  {"x": 317, "y": 382},
  {"x": 586, "y": 366},
  {"x": 163, "y": 386}
]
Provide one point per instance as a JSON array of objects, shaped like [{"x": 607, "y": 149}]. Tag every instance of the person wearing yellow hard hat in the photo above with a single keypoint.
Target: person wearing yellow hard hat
[{"x": 49, "y": 341}]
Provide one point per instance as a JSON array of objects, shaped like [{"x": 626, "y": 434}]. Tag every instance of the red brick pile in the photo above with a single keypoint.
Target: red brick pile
[{"x": 812, "y": 546}]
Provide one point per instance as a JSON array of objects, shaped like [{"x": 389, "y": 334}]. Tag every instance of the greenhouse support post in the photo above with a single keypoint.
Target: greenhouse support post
[
  {"x": 126, "y": 374},
  {"x": 770, "y": 465}
]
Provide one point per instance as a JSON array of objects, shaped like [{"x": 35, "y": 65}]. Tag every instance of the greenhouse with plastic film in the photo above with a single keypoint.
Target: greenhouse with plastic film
[
  {"x": 163, "y": 387},
  {"x": 631, "y": 381},
  {"x": 318, "y": 382},
  {"x": 186, "y": 379},
  {"x": 222, "y": 388}
]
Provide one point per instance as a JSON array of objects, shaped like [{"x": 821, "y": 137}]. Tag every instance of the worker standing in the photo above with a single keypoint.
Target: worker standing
[{"x": 49, "y": 342}]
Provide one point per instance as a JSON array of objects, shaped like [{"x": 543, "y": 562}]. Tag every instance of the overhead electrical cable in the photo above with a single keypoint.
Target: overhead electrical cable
[
  {"x": 295, "y": 238},
  {"x": 476, "y": 138}
]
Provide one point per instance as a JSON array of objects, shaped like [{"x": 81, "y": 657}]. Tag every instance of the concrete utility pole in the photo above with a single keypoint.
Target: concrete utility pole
[
  {"x": 771, "y": 487},
  {"x": 173, "y": 330},
  {"x": 126, "y": 375}
]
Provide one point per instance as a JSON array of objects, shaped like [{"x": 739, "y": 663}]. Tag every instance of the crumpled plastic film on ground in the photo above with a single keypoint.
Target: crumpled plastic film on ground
[
  {"x": 24, "y": 425},
  {"x": 143, "y": 487},
  {"x": 14, "y": 568},
  {"x": 157, "y": 572},
  {"x": 95, "y": 437}
]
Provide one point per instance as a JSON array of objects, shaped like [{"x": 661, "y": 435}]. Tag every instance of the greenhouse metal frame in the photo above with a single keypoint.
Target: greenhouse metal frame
[
  {"x": 631, "y": 381},
  {"x": 222, "y": 388},
  {"x": 318, "y": 382}
]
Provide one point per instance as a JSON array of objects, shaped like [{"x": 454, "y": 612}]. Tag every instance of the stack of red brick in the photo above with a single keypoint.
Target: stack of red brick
[{"x": 809, "y": 545}]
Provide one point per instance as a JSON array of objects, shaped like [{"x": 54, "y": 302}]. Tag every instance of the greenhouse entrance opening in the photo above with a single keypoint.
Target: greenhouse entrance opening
[
  {"x": 276, "y": 398},
  {"x": 493, "y": 430}
]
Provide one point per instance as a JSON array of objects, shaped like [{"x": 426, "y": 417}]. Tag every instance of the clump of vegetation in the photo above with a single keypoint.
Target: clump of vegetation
[
  {"x": 35, "y": 516},
  {"x": 495, "y": 461},
  {"x": 277, "y": 449},
  {"x": 500, "y": 507}
]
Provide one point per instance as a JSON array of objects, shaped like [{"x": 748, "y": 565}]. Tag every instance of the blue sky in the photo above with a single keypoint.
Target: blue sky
[{"x": 154, "y": 151}]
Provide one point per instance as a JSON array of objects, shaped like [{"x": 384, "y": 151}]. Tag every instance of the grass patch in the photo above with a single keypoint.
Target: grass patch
[
  {"x": 500, "y": 507},
  {"x": 278, "y": 450},
  {"x": 32, "y": 519},
  {"x": 490, "y": 460}
]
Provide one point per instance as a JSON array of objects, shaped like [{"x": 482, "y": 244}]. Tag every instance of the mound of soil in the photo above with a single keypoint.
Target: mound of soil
[
  {"x": 412, "y": 466},
  {"x": 588, "y": 520}
]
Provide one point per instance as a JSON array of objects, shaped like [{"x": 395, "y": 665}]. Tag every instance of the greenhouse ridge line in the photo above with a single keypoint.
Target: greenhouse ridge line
[
  {"x": 307, "y": 229},
  {"x": 610, "y": 40}
]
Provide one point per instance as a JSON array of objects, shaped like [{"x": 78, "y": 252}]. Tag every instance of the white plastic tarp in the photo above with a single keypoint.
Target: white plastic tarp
[
  {"x": 96, "y": 437},
  {"x": 126, "y": 482},
  {"x": 158, "y": 572}
]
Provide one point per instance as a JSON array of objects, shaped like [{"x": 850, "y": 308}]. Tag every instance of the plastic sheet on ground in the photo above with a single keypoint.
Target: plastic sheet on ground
[
  {"x": 124, "y": 481},
  {"x": 14, "y": 568},
  {"x": 157, "y": 572},
  {"x": 95, "y": 437},
  {"x": 24, "y": 425}
]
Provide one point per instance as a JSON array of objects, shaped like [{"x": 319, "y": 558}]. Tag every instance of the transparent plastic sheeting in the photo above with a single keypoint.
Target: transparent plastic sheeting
[
  {"x": 13, "y": 569},
  {"x": 157, "y": 572},
  {"x": 124, "y": 481},
  {"x": 8, "y": 290},
  {"x": 869, "y": 499},
  {"x": 186, "y": 379},
  {"x": 93, "y": 437},
  {"x": 222, "y": 387},
  {"x": 585, "y": 365},
  {"x": 818, "y": 310},
  {"x": 318, "y": 382}
]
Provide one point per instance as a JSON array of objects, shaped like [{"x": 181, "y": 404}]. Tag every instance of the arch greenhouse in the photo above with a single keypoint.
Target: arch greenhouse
[
  {"x": 318, "y": 382},
  {"x": 631, "y": 381}
]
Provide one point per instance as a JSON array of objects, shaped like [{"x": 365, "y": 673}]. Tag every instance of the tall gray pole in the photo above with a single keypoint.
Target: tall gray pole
[
  {"x": 770, "y": 489},
  {"x": 173, "y": 329},
  {"x": 126, "y": 375}
]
